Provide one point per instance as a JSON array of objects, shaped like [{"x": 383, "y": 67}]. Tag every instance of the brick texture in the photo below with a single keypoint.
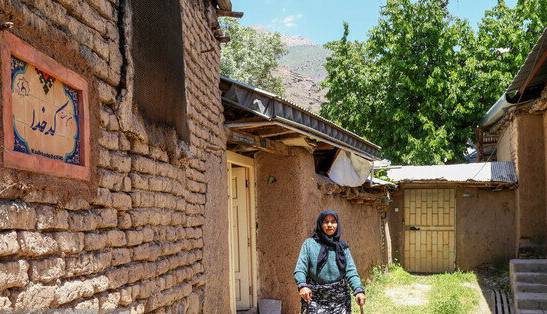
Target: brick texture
[{"x": 137, "y": 246}]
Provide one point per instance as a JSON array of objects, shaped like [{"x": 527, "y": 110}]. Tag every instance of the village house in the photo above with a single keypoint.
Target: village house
[
  {"x": 133, "y": 178},
  {"x": 514, "y": 130},
  {"x": 445, "y": 217},
  {"x": 288, "y": 164}
]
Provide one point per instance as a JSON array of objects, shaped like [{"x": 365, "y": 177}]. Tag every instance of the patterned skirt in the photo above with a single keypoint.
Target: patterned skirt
[{"x": 332, "y": 298}]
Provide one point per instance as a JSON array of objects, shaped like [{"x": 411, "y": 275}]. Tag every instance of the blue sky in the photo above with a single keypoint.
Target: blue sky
[{"x": 321, "y": 20}]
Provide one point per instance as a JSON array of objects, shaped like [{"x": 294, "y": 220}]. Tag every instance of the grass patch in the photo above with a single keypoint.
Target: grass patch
[{"x": 396, "y": 291}]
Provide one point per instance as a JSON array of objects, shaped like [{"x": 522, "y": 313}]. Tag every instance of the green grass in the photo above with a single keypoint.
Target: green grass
[{"x": 449, "y": 293}]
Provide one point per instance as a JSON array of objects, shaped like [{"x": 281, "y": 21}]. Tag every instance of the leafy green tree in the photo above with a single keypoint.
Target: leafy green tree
[
  {"x": 505, "y": 37},
  {"x": 251, "y": 56},
  {"x": 420, "y": 83}
]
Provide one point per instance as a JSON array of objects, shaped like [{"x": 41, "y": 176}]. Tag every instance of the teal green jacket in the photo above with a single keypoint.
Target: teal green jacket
[{"x": 306, "y": 266}]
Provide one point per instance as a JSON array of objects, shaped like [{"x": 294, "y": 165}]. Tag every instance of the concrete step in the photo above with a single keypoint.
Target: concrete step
[
  {"x": 532, "y": 312},
  {"x": 531, "y": 287},
  {"x": 528, "y": 265},
  {"x": 531, "y": 301},
  {"x": 529, "y": 277}
]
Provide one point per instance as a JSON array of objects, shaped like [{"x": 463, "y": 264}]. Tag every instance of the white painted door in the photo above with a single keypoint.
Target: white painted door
[{"x": 241, "y": 244}]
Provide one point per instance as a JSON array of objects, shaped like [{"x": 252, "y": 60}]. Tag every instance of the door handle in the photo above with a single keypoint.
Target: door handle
[{"x": 414, "y": 228}]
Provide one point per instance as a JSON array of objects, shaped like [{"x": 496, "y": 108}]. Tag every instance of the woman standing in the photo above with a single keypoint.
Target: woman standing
[{"x": 325, "y": 268}]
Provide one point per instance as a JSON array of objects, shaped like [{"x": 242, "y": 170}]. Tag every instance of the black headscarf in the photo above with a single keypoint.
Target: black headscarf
[{"x": 329, "y": 242}]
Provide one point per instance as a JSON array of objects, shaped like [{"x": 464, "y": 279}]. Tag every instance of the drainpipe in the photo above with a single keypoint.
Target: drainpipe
[{"x": 496, "y": 112}]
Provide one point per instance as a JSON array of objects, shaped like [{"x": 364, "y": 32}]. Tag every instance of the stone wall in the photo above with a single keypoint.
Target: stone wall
[{"x": 132, "y": 238}]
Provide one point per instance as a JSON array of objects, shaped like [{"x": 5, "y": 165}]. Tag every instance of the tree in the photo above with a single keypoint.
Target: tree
[
  {"x": 420, "y": 83},
  {"x": 251, "y": 56},
  {"x": 504, "y": 39}
]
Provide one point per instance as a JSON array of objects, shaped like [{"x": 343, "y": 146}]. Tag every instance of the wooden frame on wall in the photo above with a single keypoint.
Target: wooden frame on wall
[
  {"x": 74, "y": 165},
  {"x": 248, "y": 163}
]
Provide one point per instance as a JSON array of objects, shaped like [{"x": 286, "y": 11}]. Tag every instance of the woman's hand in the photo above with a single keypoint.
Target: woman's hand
[
  {"x": 360, "y": 298},
  {"x": 305, "y": 293}
]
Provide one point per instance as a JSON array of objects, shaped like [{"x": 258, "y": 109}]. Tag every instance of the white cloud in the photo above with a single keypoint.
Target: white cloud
[{"x": 287, "y": 21}]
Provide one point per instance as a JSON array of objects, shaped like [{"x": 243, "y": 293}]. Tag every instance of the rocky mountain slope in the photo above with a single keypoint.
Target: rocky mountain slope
[{"x": 302, "y": 70}]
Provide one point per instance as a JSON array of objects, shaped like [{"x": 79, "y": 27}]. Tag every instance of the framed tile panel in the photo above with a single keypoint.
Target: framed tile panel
[{"x": 45, "y": 113}]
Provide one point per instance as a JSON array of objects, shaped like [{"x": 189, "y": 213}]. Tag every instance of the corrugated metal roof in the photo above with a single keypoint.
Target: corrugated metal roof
[
  {"x": 533, "y": 57},
  {"x": 275, "y": 108},
  {"x": 498, "y": 171}
]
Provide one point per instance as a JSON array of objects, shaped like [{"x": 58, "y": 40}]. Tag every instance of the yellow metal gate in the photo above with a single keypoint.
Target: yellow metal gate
[{"x": 429, "y": 230}]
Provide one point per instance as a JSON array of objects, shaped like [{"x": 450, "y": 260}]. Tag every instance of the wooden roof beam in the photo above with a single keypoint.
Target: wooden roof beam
[
  {"x": 221, "y": 12},
  {"x": 258, "y": 142}
]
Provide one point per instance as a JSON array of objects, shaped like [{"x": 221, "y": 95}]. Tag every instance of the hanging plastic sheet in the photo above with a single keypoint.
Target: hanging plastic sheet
[{"x": 349, "y": 169}]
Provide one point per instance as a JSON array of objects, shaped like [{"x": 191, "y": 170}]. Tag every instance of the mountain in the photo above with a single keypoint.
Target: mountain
[{"x": 302, "y": 70}]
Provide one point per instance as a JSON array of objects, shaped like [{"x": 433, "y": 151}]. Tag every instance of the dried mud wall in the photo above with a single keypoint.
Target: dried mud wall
[
  {"x": 288, "y": 202},
  {"x": 506, "y": 149},
  {"x": 485, "y": 226},
  {"x": 136, "y": 237},
  {"x": 530, "y": 167}
]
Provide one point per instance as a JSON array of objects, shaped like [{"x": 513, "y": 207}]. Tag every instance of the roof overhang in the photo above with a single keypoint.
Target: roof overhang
[
  {"x": 531, "y": 77},
  {"x": 274, "y": 110}
]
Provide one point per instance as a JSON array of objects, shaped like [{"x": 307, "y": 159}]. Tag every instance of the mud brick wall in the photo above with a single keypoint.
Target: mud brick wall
[{"x": 131, "y": 239}]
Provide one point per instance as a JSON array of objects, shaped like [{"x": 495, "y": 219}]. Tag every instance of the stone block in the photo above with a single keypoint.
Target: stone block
[
  {"x": 139, "y": 181},
  {"x": 121, "y": 201},
  {"x": 73, "y": 290},
  {"x": 108, "y": 217},
  {"x": 95, "y": 241},
  {"x": 76, "y": 203},
  {"x": 13, "y": 274},
  {"x": 110, "y": 180},
  {"x": 117, "y": 277},
  {"x": 110, "y": 301},
  {"x": 116, "y": 238},
  {"x": 125, "y": 145},
  {"x": 139, "y": 147},
  {"x": 8, "y": 243},
  {"x": 87, "y": 263},
  {"x": 121, "y": 256},
  {"x": 41, "y": 197},
  {"x": 16, "y": 216},
  {"x": 37, "y": 244},
  {"x": 47, "y": 270},
  {"x": 83, "y": 221},
  {"x": 120, "y": 163},
  {"x": 103, "y": 198},
  {"x": 124, "y": 220},
  {"x": 36, "y": 297},
  {"x": 87, "y": 306},
  {"x": 109, "y": 140},
  {"x": 143, "y": 165},
  {"x": 70, "y": 242},
  {"x": 127, "y": 186},
  {"x": 134, "y": 237},
  {"x": 99, "y": 284},
  {"x": 50, "y": 218},
  {"x": 142, "y": 199}
]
